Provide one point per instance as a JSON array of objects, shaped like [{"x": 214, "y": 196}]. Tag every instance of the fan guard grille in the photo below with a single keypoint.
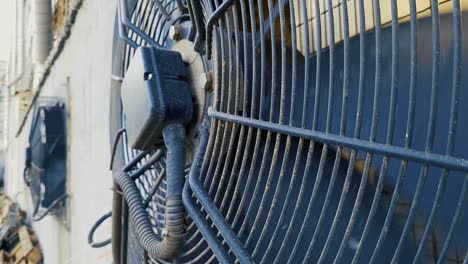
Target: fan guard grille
[{"x": 330, "y": 140}]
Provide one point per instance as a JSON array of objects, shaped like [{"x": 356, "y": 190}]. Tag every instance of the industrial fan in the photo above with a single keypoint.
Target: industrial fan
[
  {"x": 45, "y": 164},
  {"x": 289, "y": 131}
]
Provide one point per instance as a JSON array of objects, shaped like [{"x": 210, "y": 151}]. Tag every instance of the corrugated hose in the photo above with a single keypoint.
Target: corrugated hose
[{"x": 173, "y": 233}]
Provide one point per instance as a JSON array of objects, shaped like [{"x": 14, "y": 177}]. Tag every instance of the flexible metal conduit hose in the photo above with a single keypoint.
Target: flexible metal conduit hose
[{"x": 173, "y": 234}]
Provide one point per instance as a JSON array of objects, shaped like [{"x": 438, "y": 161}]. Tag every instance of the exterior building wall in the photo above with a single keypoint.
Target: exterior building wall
[
  {"x": 3, "y": 105},
  {"x": 81, "y": 76},
  {"x": 423, "y": 8}
]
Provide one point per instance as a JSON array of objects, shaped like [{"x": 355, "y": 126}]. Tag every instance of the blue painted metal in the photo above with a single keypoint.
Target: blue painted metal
[
  {"x": 126, "y": 27},
  {"x": 155, "y": 93},
  {"x": 392, "y": 120},
  {"x": 46, "y": 155},
  {"x": 387, "y": 119},
  {"x": 392, "y": 151},
  {"x": 195, "y": 186}
]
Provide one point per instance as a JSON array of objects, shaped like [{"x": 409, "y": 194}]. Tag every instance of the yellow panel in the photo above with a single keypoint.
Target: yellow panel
[{"x": 422, "y": 6}]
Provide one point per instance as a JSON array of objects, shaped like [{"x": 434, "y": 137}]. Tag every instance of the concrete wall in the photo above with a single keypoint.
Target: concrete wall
[{"x": 81, "y": 75}]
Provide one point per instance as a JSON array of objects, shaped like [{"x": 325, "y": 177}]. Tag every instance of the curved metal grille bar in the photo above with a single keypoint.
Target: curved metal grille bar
[
  {"x": 218, "y": 220},
  {"x": 262, "y": 147},
  {"x": 126, "y": 25},
  {"x": 250, "y": 121}
]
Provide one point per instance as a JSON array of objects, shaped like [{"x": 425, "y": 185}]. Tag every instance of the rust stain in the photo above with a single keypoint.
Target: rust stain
[{"x": 61, "y": 12}]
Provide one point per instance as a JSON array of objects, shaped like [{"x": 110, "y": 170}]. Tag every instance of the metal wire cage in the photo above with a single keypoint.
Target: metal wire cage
[
  {"x": 147, "y": 23},
  {"x": 336, "y": 131}
]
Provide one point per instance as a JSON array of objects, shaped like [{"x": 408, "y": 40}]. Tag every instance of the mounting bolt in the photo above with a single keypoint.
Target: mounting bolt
[
  {"x": 175, "y": 32},
  {"x": 207, "y": 79}
]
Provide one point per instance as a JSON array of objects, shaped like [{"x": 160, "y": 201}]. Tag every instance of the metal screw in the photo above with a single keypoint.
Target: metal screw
[
  {"x": 147, "y": 76},
  {"x": 175, "y": 32}
]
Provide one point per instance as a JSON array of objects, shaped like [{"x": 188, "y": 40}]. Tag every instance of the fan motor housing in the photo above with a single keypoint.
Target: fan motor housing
[{"x": 155, "y": 93}]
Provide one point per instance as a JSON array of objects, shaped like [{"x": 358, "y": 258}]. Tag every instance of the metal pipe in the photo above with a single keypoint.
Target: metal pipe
[
  {"x": 10, "y": 84},
  {"x": 447, "y": 162},
  {"x": 43, "y": 29}
]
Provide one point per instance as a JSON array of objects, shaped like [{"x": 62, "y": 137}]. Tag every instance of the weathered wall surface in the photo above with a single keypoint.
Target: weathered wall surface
[{"x": 81, "y": 75}]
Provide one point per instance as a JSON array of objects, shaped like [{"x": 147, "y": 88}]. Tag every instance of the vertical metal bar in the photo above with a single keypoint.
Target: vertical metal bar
[
  {"x": 217, "y": 182},
  {"x": 457, "y": 219},
  {"x": 331, "y": 88},
  {"x": 311, "y": 149},
  {"x": 266, "y": 147},
  {"x": 413, "y": 72},
  {"x": 285, "y": 156},
  {"x": 323, "y": 212},
  {"x": 304, "y": 225},
  {"x": 117, "y": 137},
  {"x": 318, "y": 55},
  {"x": 43, "y": 39},
  {"x": 195, "y": 7},
  {"x": 238, "y": 156},
  {"x": 352, "y": 157},
  {"x": 273, "y": 60},
  {"x": 409, "y": 131},
  {"x": 430, "y": 130},
  {"x": 368, "y": 161},
  {"x": 232, "y": 209},
  {"x": 253, "y": 101},
  {"x": 305, "y": 108},
  {"x": 262, "y": 59},
  {"x": 331, "y": 83},
  {"x": 276, "y": 153},
  {"x": 234, "y": 132},
  {"x": 211, "y": 21},
  {"x": 219, "y": 103},
  {"x": 282, "y": 214},
  {"x": 390, "y": 129},
  {"x": 226, "y": 167},
  {"x": 454, "y": 111},
  {"x": 246, "y": 57},
  {"x": 214, "y": 145}
]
